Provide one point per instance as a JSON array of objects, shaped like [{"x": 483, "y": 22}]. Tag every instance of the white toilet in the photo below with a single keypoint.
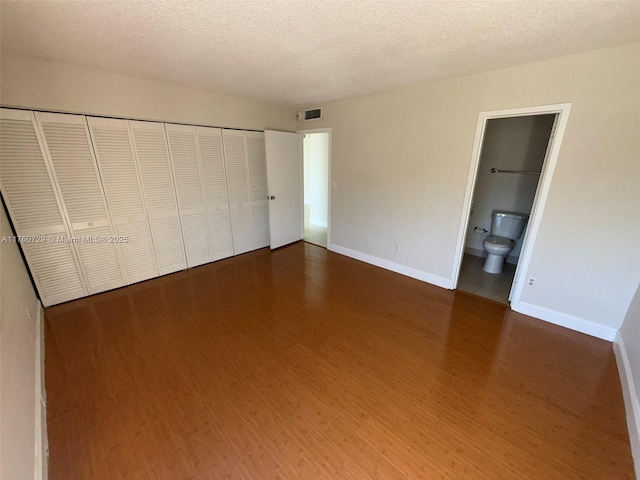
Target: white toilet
[{"x": 506, "y": 227}]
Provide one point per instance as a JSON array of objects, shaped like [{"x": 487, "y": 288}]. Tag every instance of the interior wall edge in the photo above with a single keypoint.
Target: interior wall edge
[
  {"x": 631, "y": 401},
  {"x": 41, "y": 456},
  {"x": 20, "y": 310},
  {"x": 564, "y": 320},
  {"x": 392, "y": 266}
]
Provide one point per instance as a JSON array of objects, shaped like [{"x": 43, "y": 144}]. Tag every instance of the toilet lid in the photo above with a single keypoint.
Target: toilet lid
[{"x": 498, "y": 241}]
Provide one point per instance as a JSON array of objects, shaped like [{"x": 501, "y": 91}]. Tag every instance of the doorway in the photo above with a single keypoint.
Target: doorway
[
  {"x": 513, "y": 161},
  {"x": 316, "y": 165}
]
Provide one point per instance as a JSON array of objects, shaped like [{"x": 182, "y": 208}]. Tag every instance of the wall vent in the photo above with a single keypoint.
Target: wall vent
[{"x": 312, "y": 114}]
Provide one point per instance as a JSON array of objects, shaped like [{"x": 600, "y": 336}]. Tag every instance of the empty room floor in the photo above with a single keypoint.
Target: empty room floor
[
  {"x": 494, "y": 286},
  {"x": 302, "y": 363}
]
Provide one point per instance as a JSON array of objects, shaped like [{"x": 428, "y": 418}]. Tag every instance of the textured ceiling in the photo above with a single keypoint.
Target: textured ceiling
[{"x": 304, "y": 51}]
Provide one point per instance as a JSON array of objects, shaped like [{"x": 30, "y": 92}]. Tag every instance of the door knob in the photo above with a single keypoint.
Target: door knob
[{"x": 271, "y": 197}]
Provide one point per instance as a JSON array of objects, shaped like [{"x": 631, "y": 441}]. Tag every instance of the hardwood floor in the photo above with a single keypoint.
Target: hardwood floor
[{"x": 306, "y": 364}]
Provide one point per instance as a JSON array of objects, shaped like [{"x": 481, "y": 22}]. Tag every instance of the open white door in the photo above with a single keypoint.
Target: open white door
[{"x": 284, "y": 185}]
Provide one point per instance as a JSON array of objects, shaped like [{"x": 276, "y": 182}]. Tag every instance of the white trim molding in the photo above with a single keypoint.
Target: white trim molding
[
  {"x": 41, "y": 447},
  {"x": 562, "y": 111},
  {"x": 557, "y": 318},
  {"x": 317, "y": 223},
  {"x": 330, "y": 180},
  {"x": 631, "y": 401},
  {"x": 392, "y": 266},
  {"x": 564, "y": 320}
]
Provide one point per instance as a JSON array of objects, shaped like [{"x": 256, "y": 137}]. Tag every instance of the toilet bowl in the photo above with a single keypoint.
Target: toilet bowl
[
  {"x": 506, "y": 227},
  {"x": 497, "y": 249}
]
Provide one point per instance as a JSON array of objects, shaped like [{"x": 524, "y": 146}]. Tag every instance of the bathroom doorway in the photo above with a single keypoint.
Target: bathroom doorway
[
  {"x": 512, "y": 160},
  {"x": 316, "y": 155}
]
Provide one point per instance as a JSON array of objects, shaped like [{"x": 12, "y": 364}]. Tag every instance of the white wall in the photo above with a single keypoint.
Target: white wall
[
  {"x": 400, "y": 159},
  {"x": 517, "y": 143},
  {"x": 629, "y": 337},
  {"x": 316, "y": 176},
  {"x": 38, "y": 84},
  {"x": 20, "y": 401}
]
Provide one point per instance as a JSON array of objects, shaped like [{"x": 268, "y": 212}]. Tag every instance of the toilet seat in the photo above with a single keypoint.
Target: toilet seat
[{"x": 498, "y": 242}]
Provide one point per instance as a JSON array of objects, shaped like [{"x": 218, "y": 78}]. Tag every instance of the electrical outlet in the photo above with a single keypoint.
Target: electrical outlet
[
  {"x": 396, "y": 248},
  {"x": 531, "y": 282},
  {"x": 335, "y": 185}
]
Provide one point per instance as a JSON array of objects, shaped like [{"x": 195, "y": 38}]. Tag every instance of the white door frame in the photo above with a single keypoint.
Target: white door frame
[
  {"x": 562, "y": 111},
  {"x": 329, "y": 183}
]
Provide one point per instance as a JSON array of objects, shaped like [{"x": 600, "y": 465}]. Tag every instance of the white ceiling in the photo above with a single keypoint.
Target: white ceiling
[{"x": 299, "y": 52}]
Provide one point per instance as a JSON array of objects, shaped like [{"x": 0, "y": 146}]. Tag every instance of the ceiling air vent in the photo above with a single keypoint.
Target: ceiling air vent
[{"x": 311, "y": 114}]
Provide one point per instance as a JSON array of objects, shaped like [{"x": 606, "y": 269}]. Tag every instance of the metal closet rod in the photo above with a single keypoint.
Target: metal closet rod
[{"x": 495, "y": 170}]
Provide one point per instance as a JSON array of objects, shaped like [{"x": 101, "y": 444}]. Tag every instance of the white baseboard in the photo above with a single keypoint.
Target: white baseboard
[
  {"x": 41, "y": 447},
  {"x": 631, "y": 401},
  {"x": 318, "y": 223},
  {"x": 567, "y": 321},
  {"x": 512, "y": 260},
  {"x": 475, "y": 252},
  {"x": 551, "y": 316},
  {"x": 394, "y": 267}
]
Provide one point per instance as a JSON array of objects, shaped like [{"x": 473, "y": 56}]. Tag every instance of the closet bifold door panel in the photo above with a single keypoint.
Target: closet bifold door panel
[
  {"x": 183, "y": 151},
  {"x": 68, "y": 146},
  {"x": 215, "y": 191},
  {"x": 237, "y": 167},
  {"x": 258, "y": 182},
  {"x": 160, "y": 197},
  {"x": 32, "y": 199},
  {"x": 121, "y": 183}
]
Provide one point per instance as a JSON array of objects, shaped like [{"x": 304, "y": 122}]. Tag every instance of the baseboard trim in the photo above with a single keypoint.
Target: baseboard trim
[
  {"x": 392, "y": 266},
  {"x": 512, "y": 260},
  {"x": 567, "y": 321},
  {"x": 631, "y": 401},
  {"x": 547, "y": 315},
  {"x": 475, "y": 252},
  {"x": 317, "y": 223},
  {"x": 41, "y": 447}
]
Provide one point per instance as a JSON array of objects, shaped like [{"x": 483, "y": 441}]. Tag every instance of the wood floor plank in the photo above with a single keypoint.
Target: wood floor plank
[{"x": 301, "y": 363}]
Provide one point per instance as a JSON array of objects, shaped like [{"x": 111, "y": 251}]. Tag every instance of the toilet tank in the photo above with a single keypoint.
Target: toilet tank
[{"x": 508, "y": 224}]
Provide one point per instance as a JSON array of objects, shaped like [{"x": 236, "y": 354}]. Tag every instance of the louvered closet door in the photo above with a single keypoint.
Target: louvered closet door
[
  {"x": 160, "y": 197},
  {"x": 33, "y": 203},
  {"x": 66, "y": 138},
  {"x": 117, "y": 165},
  {"x": 258, "y": 182},
  {"x": 215, "y": 191},
  {"x": 235, "y": 157},
  {"x": 183, "y": 151}
]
